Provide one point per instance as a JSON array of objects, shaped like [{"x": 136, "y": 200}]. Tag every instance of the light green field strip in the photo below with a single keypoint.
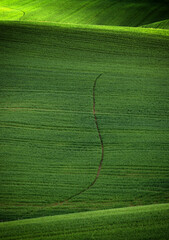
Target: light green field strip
[
  {"x": 98, "y": 12},
  {"x": 162, "y": 24},
  {"x": 10, "y": 13},
  {"x": 137, "y": 223},
  {"x": 47, "y": 156}
]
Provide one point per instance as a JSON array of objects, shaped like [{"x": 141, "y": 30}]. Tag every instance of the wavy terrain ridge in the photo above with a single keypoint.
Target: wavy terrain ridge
[
  {"x": 148, "y": 222},
  {"x": 97, "y": 12}
]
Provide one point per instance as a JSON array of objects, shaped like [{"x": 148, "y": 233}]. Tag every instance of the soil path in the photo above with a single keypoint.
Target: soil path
[
  {"x": 102, "y": 148},
  {"x": 22, "y": 15}
]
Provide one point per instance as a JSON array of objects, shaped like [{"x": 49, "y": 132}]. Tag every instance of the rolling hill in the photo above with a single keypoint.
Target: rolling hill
[
  {"x": 84, "y": 119},
  {"x": 161, "y": 24},
  {"x": 50, "y": 145},
  {"x": 97, "y": 12},
  {"x": 145, "y": 222}
]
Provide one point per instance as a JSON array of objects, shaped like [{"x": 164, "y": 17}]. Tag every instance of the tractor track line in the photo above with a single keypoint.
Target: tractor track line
[
  {"x": 102, "y": 148},
  {"x": 102, "y": 154}
]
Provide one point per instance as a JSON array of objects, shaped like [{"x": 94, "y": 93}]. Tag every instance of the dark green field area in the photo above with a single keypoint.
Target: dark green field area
[
  {"x": 50, "y": 149},
  {"x": 102, "y": 12},
  {"x": 146, "y": 222}
]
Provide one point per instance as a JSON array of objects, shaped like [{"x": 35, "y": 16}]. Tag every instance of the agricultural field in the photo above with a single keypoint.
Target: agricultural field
[
  {"x": 84, "y": 110},
  {"x": 161, "y": 24},
  {"x": 101, "y": 12},
  {"x": 145, "y": 222}
]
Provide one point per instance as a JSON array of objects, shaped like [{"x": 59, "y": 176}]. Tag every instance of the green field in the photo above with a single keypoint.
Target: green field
[
  {"x": 148, "y": 222},
  {"x": 161, "y": 24},
  {"x": 50, "y": 152},
  {"x": 102, "y": 12}
]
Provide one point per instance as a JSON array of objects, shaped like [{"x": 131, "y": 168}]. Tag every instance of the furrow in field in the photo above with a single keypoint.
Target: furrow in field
[{"x": 102, "y": 147}]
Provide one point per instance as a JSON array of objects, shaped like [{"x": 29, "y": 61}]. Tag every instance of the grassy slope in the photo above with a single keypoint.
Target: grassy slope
[
  {"x": 107, "y": 12},
  {"x": 146, "y": 222},
  {"x": 7, "y": 13},
  {"x": 46, "y": 116},
  {"x": 48, "y": 134},
  {"x": 161, "y": 24}
]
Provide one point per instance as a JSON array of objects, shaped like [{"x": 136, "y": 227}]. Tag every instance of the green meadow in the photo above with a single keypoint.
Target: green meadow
[
  {"x": 146, "y": 222},
  {"x": 51, "y": 53},
  {"x": 161, "y": 24},
  {"x": 99, "y": 12}
]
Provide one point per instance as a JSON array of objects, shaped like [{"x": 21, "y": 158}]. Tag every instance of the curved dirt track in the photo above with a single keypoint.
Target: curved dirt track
[
  {"x": 102, "y": 147},
  {"x": 22, "y": 15}
]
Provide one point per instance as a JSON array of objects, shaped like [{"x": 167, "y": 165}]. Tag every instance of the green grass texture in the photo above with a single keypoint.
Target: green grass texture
[
  {"x": 144, "y": 222},
  {"x": 97, "y": 12},
  {"x": 161, "y": 24},
  {"x": 50, "y": 149},
  {"x": 54, "y": 142}
]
